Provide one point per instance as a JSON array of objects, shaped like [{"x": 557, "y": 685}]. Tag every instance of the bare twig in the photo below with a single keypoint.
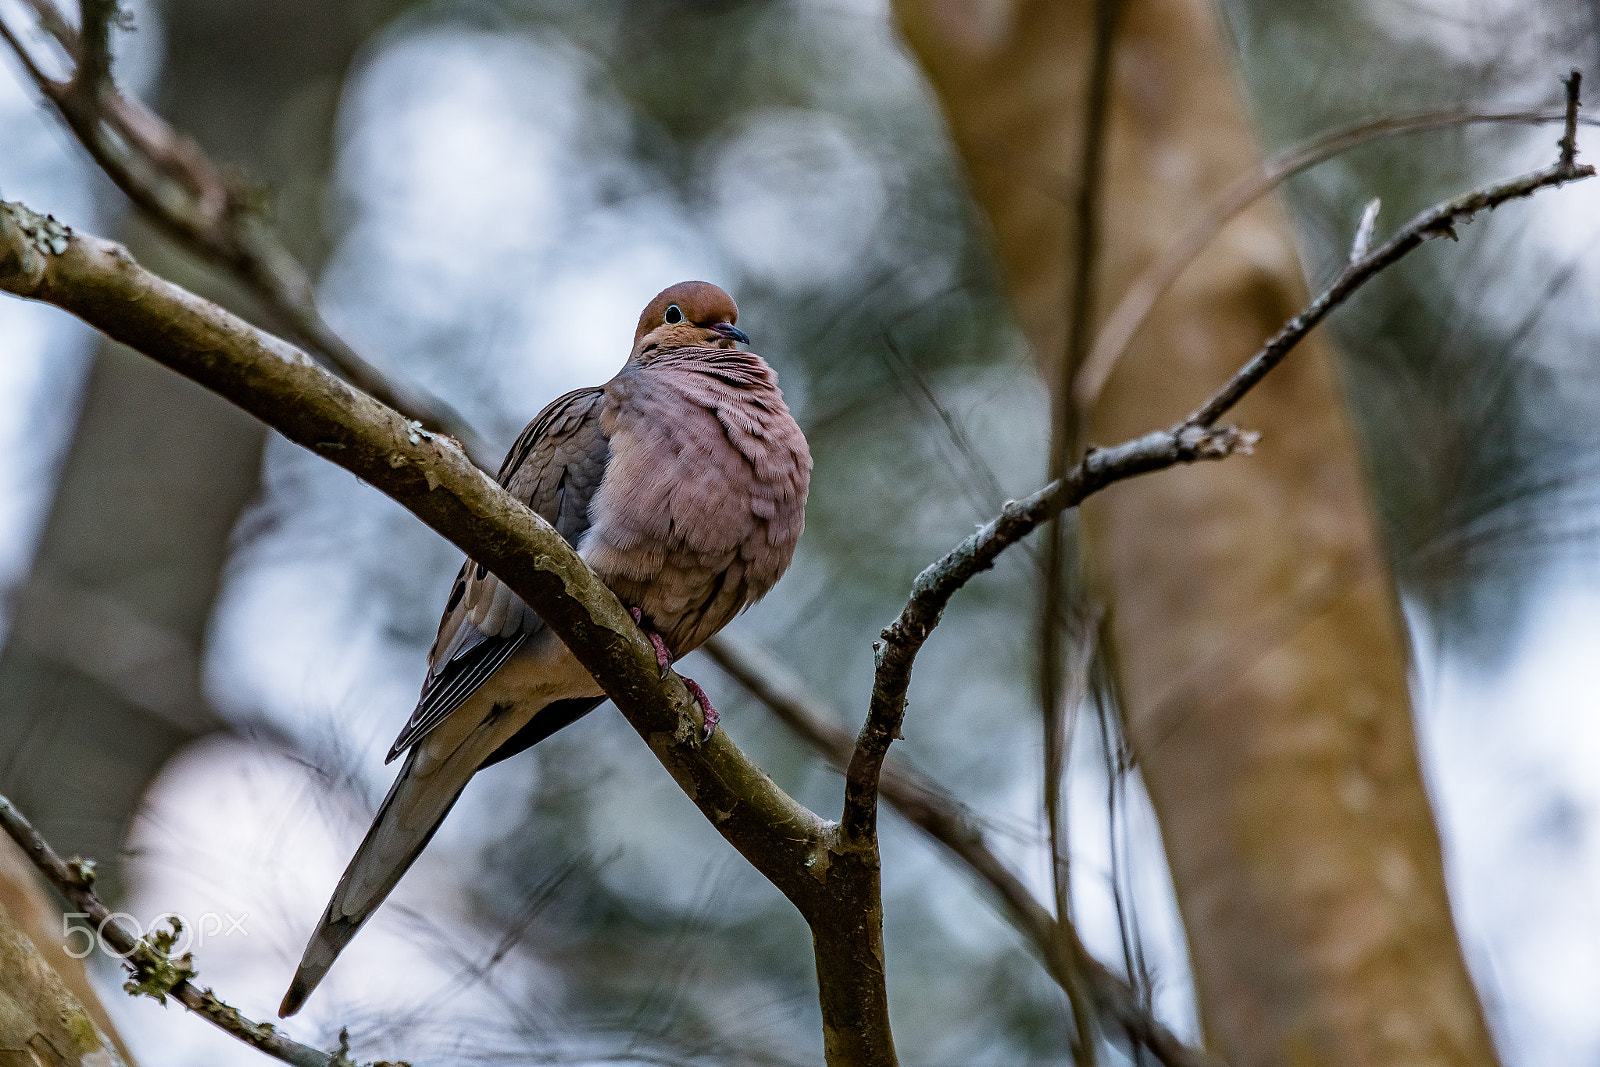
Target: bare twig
[
  {"x": 1569, "y": 134},
  {"x": 1141, "y": 296},
  {"x": 1056, "y": 703},
  {"x": 1197, "y": 437},
  {"x": 1438, "y": 221},
  {"x": 934, "y": 587},
  {"x": 931, "y": 809},
  {"x": 208, "y": 209},
  {"x": 153, "y": 971}
]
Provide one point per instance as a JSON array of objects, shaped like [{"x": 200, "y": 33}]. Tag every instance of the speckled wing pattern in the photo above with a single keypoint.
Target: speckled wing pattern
[{"x": 555, "y": 467}]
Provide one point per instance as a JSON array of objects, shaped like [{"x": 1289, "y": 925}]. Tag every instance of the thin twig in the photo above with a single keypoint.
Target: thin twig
[
  {"x": 1569, "y": 134},
  {"x": 1197, "y": 437},
  {"x": 208, "y": 209},
  {"x": 1057, "y": 703},
  {"x": 1141, "y": 296},
  {"x": 1438, "y": 221},
  {"x": 152, "y": 969},
  {"x": 935, "y": 586}
]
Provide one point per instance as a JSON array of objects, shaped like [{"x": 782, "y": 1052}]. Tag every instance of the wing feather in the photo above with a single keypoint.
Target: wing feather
[{"x": 554, "y": 467}]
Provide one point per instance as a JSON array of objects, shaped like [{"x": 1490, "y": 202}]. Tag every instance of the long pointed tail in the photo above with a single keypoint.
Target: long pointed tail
[{"x": 406, "y": 821}]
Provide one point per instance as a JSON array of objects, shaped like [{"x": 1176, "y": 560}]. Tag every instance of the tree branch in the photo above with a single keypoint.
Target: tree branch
[
  {"x": 930, "y": 808},
  {"x": 209, "y": 210},
  {"x": 154, "y": 972},
  {"x": 1195, "y": 438}
]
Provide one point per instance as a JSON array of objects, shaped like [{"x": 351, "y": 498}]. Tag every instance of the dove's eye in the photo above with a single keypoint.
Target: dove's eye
[{"x": 674, "y": 315}]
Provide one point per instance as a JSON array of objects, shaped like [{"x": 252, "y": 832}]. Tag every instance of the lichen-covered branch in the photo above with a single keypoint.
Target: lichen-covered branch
[{"x": 154, "y": 972}]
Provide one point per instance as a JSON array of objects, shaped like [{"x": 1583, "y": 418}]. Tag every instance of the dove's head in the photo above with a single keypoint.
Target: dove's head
[{"x": 689, "y": 314}]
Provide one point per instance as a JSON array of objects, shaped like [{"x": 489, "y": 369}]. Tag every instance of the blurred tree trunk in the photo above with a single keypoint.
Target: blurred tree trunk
[
  {"x": 100, "y": 681},
  {"x": 1262, "y": 660}
]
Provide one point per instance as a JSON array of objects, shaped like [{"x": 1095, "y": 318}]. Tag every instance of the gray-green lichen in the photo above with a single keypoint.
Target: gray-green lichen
[
  {"x": 46, "y": 235},
  {"x": 83, "y": 871},
  {"x": 155, "y": 971}
]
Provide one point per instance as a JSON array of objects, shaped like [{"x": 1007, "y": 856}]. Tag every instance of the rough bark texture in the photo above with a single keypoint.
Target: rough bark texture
[
  {"x": 1261, "y": 657},
  {"x": 29, "y": 908},
  {"x": 99, "y": 681},
  {"x": 41, "y": 1023}
]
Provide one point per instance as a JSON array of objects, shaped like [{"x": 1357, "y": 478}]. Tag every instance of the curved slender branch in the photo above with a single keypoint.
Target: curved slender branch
[
  {"x": 903, "y": 639},
  {"x": 1197, "y": 437},
  {"x": 208, "y": 209}
]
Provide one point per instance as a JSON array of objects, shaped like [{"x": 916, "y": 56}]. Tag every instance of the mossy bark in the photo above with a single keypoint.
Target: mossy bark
[{"x": 41, "y": 1023}]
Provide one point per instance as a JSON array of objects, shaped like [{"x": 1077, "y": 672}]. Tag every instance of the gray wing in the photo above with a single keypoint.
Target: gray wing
[{"x": 554, "y": 467}]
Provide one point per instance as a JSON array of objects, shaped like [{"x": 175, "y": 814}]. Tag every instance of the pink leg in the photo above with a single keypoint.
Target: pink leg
[
  {"x": 664, "y": 660},
  {"x": 663, "y": 657},
  {"x": 711, "y": 716}
]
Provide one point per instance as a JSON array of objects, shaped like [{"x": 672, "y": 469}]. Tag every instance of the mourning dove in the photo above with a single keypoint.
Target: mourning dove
[{"x": 682, "y": 483}]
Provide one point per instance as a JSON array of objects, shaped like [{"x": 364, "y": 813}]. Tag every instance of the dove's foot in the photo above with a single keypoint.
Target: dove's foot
[
  {"x": 663, "y": 656},
  {"x": 711, "y": 716},
  {"x": 664, "y": 661}
]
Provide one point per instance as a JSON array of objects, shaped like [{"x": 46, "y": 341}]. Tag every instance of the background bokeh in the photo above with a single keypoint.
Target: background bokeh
[{"x": 509, "y": 183}]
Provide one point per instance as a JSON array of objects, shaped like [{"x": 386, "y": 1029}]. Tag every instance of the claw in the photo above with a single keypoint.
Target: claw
[
  {"x": 706, "y": 707},
  {"x": 663, "y": 655}
]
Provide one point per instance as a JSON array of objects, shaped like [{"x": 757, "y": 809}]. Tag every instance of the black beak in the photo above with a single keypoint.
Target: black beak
[{"x": 731, "y": 332}]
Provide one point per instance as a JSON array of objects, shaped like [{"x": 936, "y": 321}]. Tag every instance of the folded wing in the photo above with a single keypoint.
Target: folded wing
[{"x": 554, "y": 467}]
